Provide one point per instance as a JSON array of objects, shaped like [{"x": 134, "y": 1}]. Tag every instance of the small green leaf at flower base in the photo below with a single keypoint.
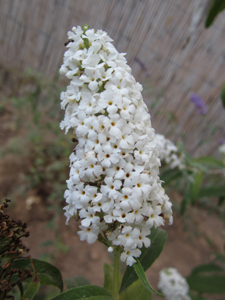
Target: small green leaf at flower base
[
  {"x": 141, "y": 275},
  {"x": 47, "y": 273},
  {"x": 148, "y": 256},
  {"x": 76, "y": 281},
  {"x": 86, "y": 43},
  {"x": 90, "y": 292}
]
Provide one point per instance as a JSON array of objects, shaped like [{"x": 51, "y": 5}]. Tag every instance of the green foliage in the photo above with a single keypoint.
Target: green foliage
[
  {"x": 136, "y": 291},
  {"x": 47, "y": 273},
  {"x": 131, "y": 287},
  {"x": 37, "y": 138},
  {"x": 207, "y": 279},
  {"x": 148, "y": 256},
  {"x": 76, "y": 281},
  {"x": 170, "y": 175},
  {"x": 223, "y": 95},
  {"x": 207, "y": 268},
  {"x": 217, "y": 7},
  {"x": 31, "y": 290},
  {"x": 90, "y": 292},
  {"x": 212, "y": 191},
  {"x": 201, "y": 177},
  {"x": 196, "y": 185},
  {"x": 108, "y": 278},
  {"x": 141, "y": 275},
  {"x": 186, "y": 198},
  {"x": 205, "y": 163}
]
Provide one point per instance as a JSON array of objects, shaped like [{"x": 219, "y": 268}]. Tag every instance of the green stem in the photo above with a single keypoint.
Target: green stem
[{"x": 116, "y": 277}]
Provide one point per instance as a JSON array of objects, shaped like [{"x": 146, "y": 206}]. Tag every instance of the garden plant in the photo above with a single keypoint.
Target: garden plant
[{"x": 119, "y": 171}]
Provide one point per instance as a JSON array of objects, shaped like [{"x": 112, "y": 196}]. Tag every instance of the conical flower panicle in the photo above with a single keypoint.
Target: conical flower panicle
[{"x": 114, "y": 186}]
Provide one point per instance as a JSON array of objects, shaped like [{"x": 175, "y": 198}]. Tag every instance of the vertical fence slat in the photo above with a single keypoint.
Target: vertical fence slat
[{"x": 33, "y": 34}]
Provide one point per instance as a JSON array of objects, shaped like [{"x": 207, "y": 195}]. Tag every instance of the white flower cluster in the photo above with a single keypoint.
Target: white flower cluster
[
  {"x": 114, "y": 186},
  {"x": 173, "y": 285},
  {"x": 168, "y": 152}
]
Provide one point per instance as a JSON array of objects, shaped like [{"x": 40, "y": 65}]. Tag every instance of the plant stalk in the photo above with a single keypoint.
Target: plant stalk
[{"x": 116, "y": 275}]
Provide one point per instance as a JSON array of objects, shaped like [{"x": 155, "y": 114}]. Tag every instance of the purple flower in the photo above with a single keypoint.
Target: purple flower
[
  {"x": 222, "y": 141},
  {"x": 199, "y": 104}
]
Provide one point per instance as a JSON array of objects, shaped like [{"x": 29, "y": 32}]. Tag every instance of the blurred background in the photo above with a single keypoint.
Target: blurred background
[{"x": 175, "y": 59}]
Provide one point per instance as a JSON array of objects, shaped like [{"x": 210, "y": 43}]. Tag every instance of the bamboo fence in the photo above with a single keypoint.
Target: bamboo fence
[{"x": 155, "y": 35}]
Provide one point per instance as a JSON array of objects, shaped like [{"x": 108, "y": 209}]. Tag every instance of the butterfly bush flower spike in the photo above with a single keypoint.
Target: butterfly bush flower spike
[
  {"x": 114, "y": 187},
  {"x": 173, "y": 285}
]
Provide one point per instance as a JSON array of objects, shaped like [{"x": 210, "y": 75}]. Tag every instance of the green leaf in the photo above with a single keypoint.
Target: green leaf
[
  {"x": 216, "y": 8},
  {"x": 20, "y": 286},
  {"x": 207, "y": 278},
  {"x": 90, "y": 292},
  {"x": 205, "y": 268},
  {"x": 148, "y": 256},
  {"x": 31, "y": 290},
  {"x": 187, "y": 198},
  {"x": 76, "y": 281},
  {"x": 212, "y": 191},
  {"x": 223, "y": 95},
  {"x": 141, "y": 275},
  {"x": 208, "y": 161},
  {"x": 170, "y": 175},
  {"x": 195, "y": 186},
  {"x": 136, "y": 291},
  {"x": 207, "y": 284},
  {"x": 47, "y": 273}
]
